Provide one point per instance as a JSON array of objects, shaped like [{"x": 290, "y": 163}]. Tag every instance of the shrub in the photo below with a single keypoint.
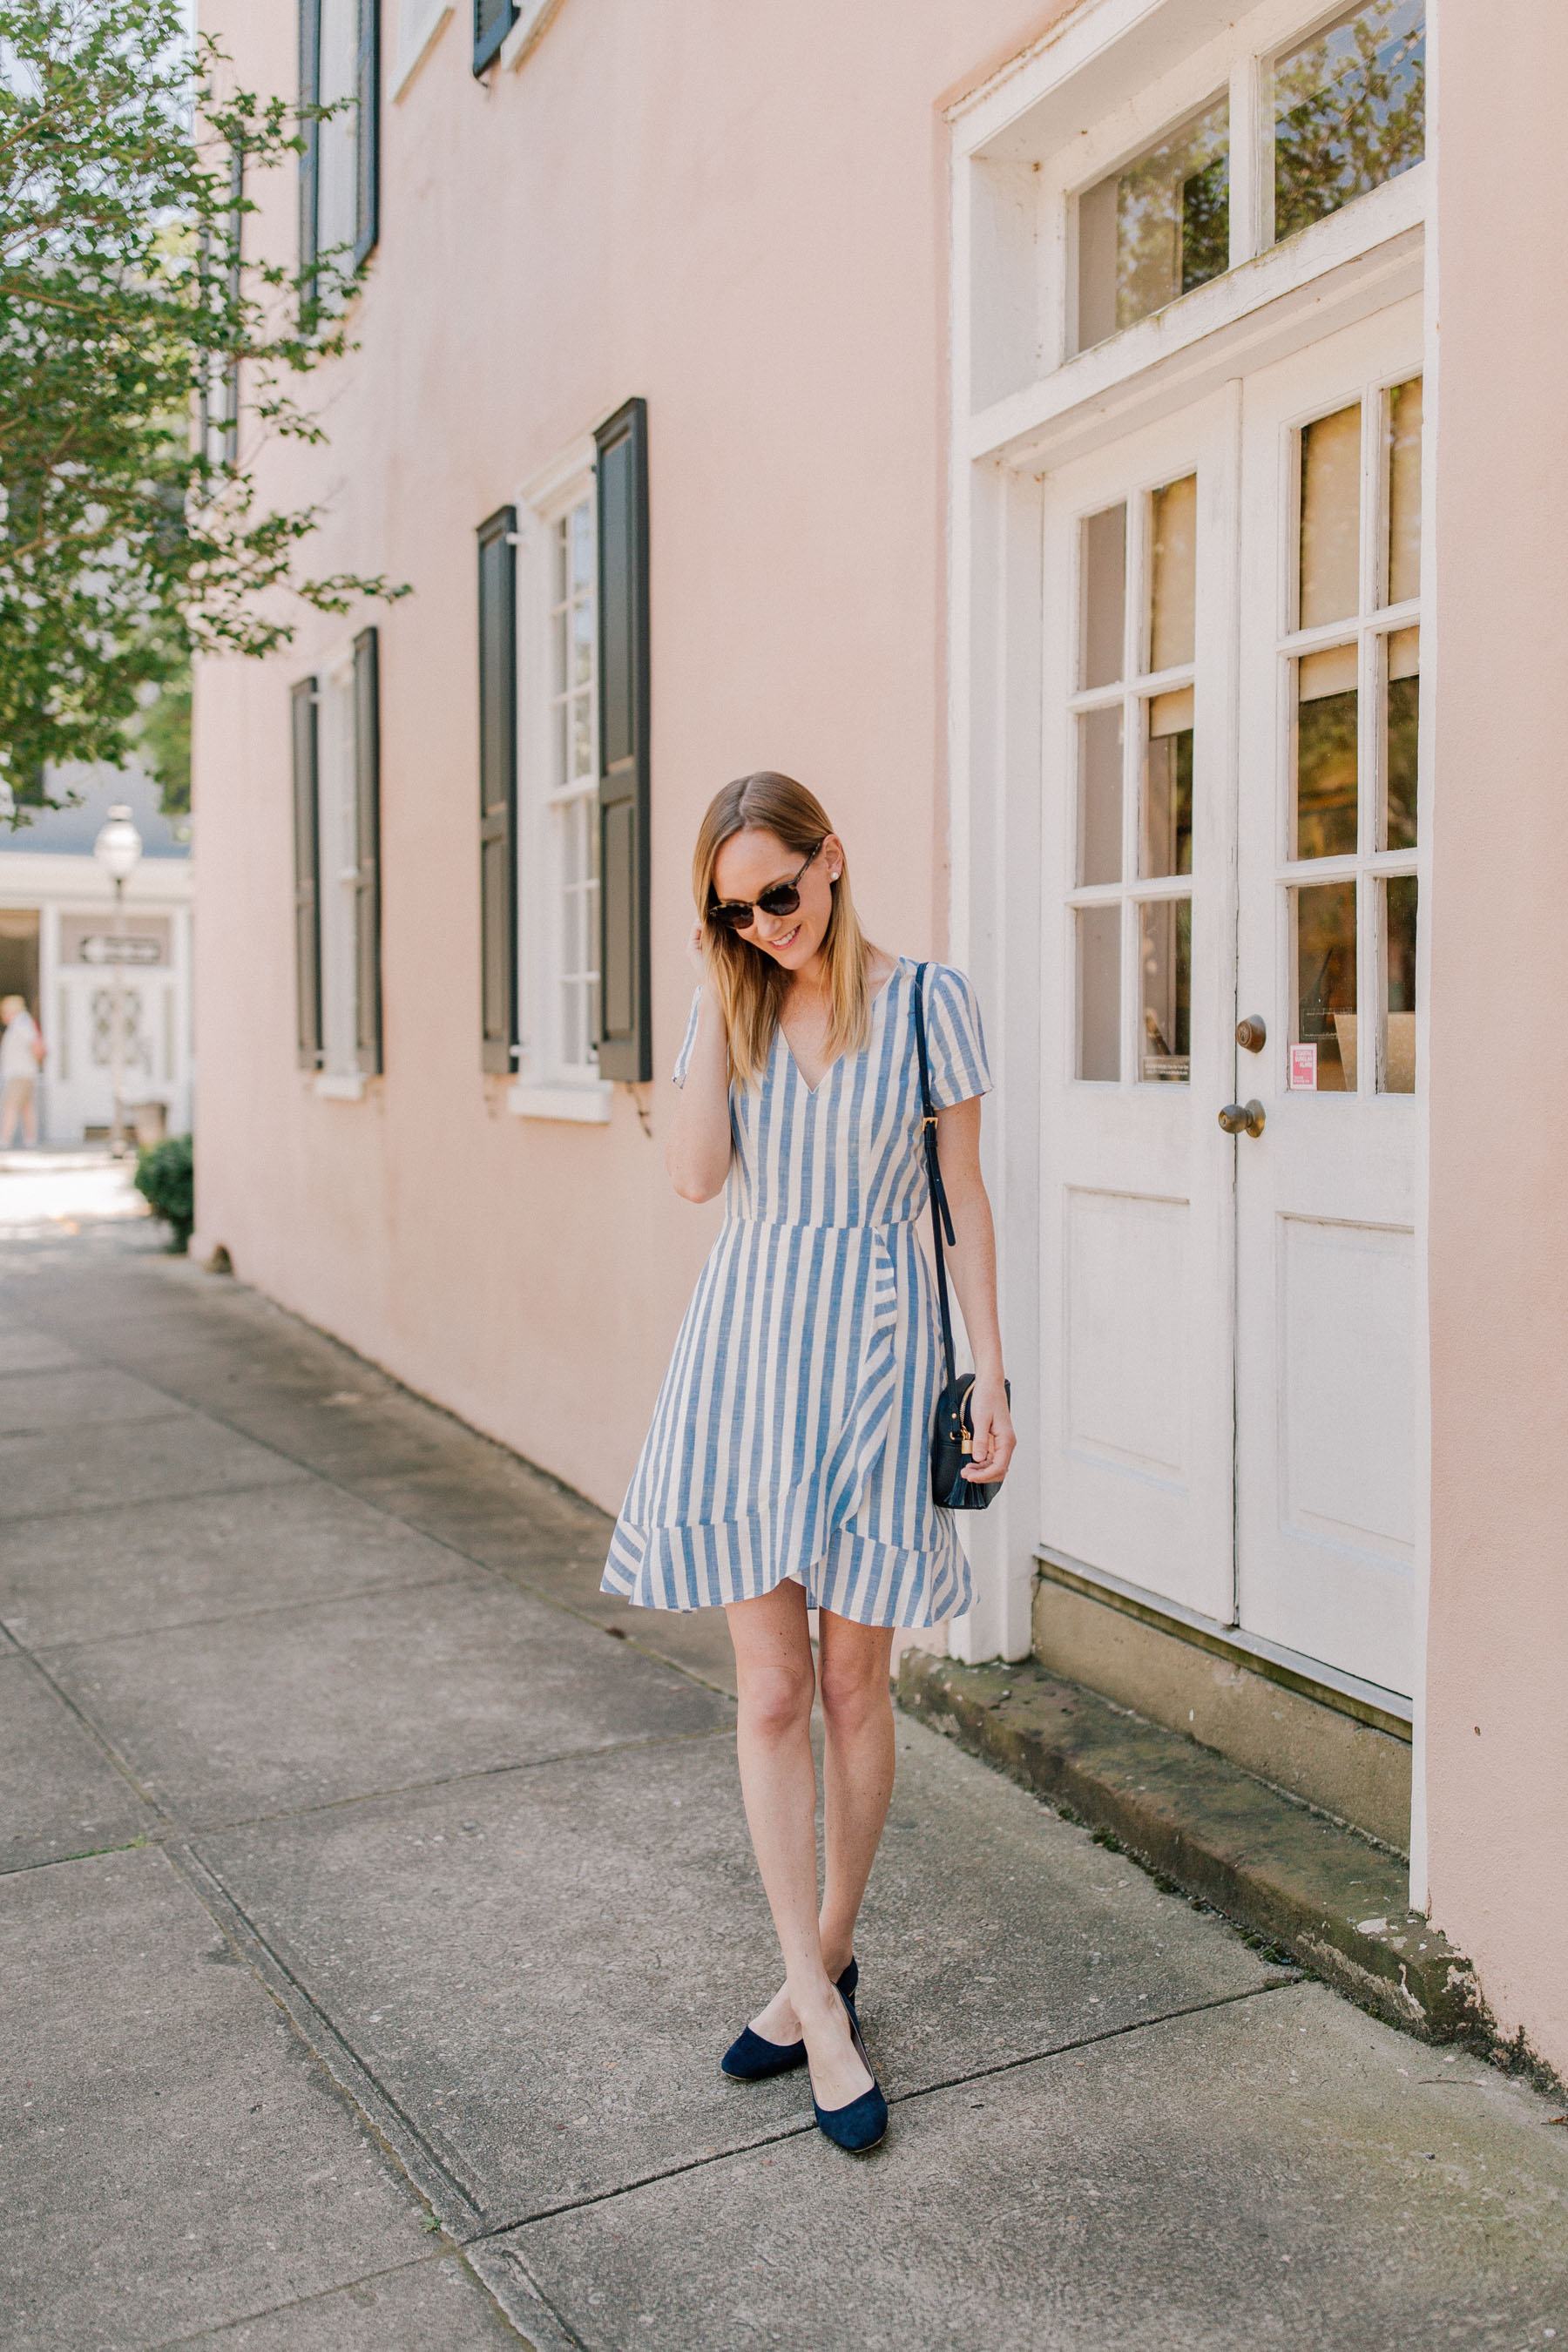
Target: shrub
[{"x": 165, "y": 1177}]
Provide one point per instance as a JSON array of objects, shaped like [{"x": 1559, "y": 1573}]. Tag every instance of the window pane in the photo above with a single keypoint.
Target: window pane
[
  {"x": 1396, "y": 1045},
  {"x": 1330, "y": 518},
  {"x": 581, "y": 644},
  {"x": 1349, "y": 111},
  {"x": 580, "y": 525},
  {"x": 1098, "y": 934},
  {"x": 1165, "y": 958},
  {"x": 1325, "y": 984},
  {"x": 582, "y": 737},
  {"x": 1326, "y": 766},
  {"x": 1166, "y": 840},
  {"x": 1405, "y": 491},
  {"x": 1104, "y": 596},
  {"x": 1156, "y": 228},
  {"x": 1173, "y": 574},
  {"x": 1100, "y": 795},
  {"x": 1401, "y": 719},
  {"x": 562, "y": 562}
]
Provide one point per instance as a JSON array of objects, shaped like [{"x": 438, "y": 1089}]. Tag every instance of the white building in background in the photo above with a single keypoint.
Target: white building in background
[{"x": 56, "y": 908}]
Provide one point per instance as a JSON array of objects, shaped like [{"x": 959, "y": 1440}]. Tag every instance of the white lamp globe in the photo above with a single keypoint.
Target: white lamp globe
[{"x": 118, "y": 849}]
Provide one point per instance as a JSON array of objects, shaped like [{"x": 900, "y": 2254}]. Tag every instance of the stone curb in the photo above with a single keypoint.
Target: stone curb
[{"x": 1337, "y": 1902}]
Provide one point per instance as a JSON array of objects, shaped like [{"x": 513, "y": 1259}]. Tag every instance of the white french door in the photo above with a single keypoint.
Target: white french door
[
  {"x": 1232, "y": 850},
  {"x": 1138, "y": 1252},
  {"x": 1328, "y": 1383}
]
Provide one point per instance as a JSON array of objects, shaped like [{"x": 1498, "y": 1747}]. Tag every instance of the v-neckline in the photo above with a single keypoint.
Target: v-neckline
[{"x": 838, "y": 1059}]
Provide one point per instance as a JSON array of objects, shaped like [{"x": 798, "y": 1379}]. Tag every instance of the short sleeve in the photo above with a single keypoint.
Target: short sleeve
[
  {"x": 956, "y": 1042},
  {"x": 683, "y": 1059}
]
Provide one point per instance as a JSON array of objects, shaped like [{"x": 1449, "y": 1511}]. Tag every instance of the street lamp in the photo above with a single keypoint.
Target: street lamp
[{"x": 118, "y": 850}]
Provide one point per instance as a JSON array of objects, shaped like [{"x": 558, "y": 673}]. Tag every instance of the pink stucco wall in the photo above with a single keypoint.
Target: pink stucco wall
[
  {"x": 1496, "y": 1739},
  {"x": 741, "y": 215}
]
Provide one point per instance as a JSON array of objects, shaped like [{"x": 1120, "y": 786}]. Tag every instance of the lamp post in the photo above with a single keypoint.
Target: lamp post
[{"x": 118, "y": 850}]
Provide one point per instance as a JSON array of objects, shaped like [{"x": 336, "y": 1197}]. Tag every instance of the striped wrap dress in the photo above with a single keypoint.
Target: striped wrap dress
[{"x": 791, "y": 1432}]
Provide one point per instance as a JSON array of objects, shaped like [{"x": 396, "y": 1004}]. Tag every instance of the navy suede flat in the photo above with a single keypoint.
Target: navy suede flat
[
  {"x": 752, "y": 2058},
  {"x": 864, "y": 2122}
]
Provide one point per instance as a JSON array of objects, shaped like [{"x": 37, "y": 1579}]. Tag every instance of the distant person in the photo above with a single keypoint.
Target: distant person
[{"x": 21, "y": 1054}]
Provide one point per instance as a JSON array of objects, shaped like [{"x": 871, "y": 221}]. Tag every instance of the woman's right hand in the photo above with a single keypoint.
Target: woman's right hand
[{"x": 696, "y": 955}]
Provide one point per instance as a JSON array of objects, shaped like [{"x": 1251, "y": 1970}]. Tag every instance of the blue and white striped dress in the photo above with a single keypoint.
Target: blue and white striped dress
[{"x": 791, "y": 1433}]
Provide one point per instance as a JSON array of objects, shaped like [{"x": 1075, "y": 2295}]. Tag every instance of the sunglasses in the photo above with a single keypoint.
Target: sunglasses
[{"x": 740, "y": 914}]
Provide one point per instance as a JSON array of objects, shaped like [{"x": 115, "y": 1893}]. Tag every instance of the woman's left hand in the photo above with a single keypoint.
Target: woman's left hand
[{"x": 994, "y": 1438}]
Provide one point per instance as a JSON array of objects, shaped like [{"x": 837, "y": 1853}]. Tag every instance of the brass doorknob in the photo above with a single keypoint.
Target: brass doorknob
[
  {"x": 1237, "y": 1118},
  {"x": 1252, "y": 1033}
]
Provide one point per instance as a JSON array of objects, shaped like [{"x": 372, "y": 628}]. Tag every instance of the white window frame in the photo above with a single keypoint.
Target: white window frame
[
  {"x": 420, "y": 24},
  {"x": 1095, "y": 91},
  {"x": 337, "y": 138},
  {"x": 532, "y": 22},
  {"x": 340, "y": 1078},
  {"x": 547, "y": 1087},
  {"x": 1086, "y": 100}
]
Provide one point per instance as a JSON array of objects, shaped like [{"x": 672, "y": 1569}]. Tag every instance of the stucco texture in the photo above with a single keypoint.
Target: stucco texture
[{"x": 1497, "y": 1740}]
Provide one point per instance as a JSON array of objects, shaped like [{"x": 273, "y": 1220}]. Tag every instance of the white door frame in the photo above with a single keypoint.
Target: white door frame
[{"x": 1016, "y": 409}]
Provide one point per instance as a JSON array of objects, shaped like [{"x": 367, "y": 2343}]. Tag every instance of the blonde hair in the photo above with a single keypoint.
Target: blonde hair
[
  {"x": 11, "y": 1005},
  {"x": 750, "y": 987}
]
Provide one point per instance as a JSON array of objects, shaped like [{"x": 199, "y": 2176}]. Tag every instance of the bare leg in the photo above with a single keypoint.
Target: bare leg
[
  {"x": 858, "y": 1717},
  {"x": 775, "y": 1680}
]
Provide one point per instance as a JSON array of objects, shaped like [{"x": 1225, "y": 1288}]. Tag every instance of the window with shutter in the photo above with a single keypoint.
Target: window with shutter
[
  {"x": 493, "y": 20},
  {"x": 498, "y": 790},
  {"x": 367, "y": 841},
  {"x": 306, "y": 896},
  {"x": 339, "y": 67},
  {"x": 625, "y": 1028}
]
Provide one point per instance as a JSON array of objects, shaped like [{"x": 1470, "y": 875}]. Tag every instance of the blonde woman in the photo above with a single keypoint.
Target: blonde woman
[{"x": 788, "y": 1463}]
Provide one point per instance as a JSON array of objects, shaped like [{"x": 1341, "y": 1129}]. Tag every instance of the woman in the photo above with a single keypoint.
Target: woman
[{"x": 788, "y": 1463}]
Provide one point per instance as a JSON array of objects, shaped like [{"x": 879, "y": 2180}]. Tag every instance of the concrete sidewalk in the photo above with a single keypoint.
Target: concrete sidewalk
[{"x": 372, "y": 1924}]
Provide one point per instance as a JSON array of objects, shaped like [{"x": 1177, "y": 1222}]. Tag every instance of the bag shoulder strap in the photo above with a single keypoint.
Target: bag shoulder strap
[{"x": 941, "y": 1215}]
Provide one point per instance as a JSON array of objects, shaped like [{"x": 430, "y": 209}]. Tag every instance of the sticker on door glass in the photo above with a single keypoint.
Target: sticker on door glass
[{"x": 1304, "y": 1069}]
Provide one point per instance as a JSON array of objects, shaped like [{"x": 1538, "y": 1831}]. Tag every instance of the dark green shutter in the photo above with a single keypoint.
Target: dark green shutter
[
  {"x": 498, "y": 790},
  {"x": 310, "y": 131},
  {"x": 306, "y": 895},
  {"x": 493, "y": 20},
  {"x": 367, "y": 854},
  {"x": 626, "y": 1023},
  {"x": 367, "y": 144}
]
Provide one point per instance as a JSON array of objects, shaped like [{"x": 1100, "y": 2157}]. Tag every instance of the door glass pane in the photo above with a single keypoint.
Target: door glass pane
[
  {"x": 1397, "y": 1045},
  {"x": 1098, "y": 937},
  {"x": 1325, "y": 987},
  {"x": 1349, "y": 110},
  {"x": 1165, "y": 962},
  {"x": 1165, "y": 835},
  {"x": 1173, "y": 574},
  {"x": 1330, "y": 518},
  {"x": 1401, "y": 717},
  {"x": 1156, "y": 228},
  {"x": 1326, "y": 704},
  {"x": 1100, "y": 795},
  {"x": 1405, "y": 491},
  {"x": 1104, "y": 596}
]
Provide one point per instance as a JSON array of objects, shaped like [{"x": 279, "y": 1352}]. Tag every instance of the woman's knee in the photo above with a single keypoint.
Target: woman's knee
[
  {"x": 855, "y": 1691},
  {"x": 775, "y": 1700}
]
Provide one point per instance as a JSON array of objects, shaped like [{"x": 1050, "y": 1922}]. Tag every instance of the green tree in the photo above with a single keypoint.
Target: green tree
[{"x": 131, "y": 532}]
